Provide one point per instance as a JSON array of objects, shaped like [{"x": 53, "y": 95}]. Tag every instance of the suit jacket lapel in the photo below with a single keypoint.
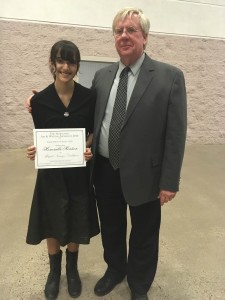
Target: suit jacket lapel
[{"x": 143, "y": 81}]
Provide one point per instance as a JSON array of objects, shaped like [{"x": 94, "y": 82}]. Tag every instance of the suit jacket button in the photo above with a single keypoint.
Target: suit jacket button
[{"x": 66, "y": 114}]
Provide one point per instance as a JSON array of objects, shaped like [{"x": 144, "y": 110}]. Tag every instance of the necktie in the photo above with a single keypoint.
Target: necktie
[{"x": 118, "y": 115}]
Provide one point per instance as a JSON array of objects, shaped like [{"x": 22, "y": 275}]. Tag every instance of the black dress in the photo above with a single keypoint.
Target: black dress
[{"x": 63, "y": 207}]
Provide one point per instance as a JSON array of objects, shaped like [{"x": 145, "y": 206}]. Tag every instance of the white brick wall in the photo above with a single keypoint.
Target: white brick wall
[{"x": 24, "y": 55}]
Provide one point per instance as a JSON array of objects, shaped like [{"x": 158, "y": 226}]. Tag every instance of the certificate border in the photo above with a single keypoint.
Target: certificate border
[{"x": 38, "y": 165}]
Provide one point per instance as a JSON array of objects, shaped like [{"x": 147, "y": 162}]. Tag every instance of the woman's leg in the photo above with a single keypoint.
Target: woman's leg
[
  {"x": 55, "y": 258},
  {"x": 53, "y": 246},
  {"x": 73, "y": 278},
  {"x": 73, "y": 247}
]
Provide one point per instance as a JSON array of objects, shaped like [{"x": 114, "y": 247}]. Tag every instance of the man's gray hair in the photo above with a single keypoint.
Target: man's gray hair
[{"x": 128, "y": 12}]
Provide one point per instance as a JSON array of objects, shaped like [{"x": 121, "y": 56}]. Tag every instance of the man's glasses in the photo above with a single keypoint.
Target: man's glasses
[
  {"x": 128, "y": 30},
  {"x": 61, "y": 61}
]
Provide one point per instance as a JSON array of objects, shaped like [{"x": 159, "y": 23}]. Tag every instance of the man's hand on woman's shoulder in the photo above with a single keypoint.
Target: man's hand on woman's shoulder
[{"x": 29, "y": 99}]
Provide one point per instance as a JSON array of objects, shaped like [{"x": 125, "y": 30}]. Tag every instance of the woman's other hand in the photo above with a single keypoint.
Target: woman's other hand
[{"x": 31, "y": 151}]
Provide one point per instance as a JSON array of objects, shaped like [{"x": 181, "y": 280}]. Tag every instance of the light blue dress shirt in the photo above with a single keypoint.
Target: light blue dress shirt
[{"x": 132, "y": 78}]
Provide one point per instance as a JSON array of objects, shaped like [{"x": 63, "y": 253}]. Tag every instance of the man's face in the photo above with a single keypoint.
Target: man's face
[{"x": 129, "y": 39}]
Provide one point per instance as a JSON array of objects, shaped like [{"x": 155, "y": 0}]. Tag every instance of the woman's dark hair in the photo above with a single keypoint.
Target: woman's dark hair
[{"x": 66, "y": 50}]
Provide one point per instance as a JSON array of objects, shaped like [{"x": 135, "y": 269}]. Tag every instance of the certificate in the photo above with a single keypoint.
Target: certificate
[{"x": 59, "y": 148}]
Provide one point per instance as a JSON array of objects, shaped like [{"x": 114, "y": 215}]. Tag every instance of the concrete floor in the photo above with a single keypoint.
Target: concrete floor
[{"x": 192, "y": 240}]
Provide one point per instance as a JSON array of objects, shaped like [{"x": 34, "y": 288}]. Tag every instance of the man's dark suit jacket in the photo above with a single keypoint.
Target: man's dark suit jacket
[{"x": 154, "y": 131}]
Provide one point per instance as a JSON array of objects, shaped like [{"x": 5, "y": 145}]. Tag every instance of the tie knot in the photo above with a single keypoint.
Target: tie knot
[{"x": 124, "y": 71}]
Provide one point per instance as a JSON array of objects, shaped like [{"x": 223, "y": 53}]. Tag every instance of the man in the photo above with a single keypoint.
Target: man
[{"x": 151, "y": 148}]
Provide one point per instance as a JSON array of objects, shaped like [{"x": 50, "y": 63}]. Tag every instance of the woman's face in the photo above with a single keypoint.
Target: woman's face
[{"x": 65, "y": 70}]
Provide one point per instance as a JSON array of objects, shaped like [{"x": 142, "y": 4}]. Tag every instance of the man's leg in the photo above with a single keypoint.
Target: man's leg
[
  {"x": 113, "y": 221},
  {"x": 143, "y": 246},
  {"x": 113, "y": 215}
]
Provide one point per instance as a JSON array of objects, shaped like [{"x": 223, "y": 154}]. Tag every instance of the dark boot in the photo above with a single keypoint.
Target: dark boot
[
  {"x": 73, "y": 278},
  {"x": 52, "y": 284}
]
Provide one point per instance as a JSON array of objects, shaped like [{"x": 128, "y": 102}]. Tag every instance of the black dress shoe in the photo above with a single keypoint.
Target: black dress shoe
[
  {"x": 106, "y": 284},
  {"x": 135, "y": 296}
]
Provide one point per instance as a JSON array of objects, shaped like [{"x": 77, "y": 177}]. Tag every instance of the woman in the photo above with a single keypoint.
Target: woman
[{"x": 63, "y": 211}]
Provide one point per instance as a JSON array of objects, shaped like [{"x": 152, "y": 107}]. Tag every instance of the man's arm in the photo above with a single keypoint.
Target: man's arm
[
  {"x": 175, "y": 137},
  {"x": 174, "y": 140}
]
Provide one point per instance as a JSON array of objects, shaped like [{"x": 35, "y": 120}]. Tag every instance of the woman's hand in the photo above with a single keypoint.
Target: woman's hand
[
  {"x": 88, "y": 154},
  {"x": 31, "y": 151}
]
